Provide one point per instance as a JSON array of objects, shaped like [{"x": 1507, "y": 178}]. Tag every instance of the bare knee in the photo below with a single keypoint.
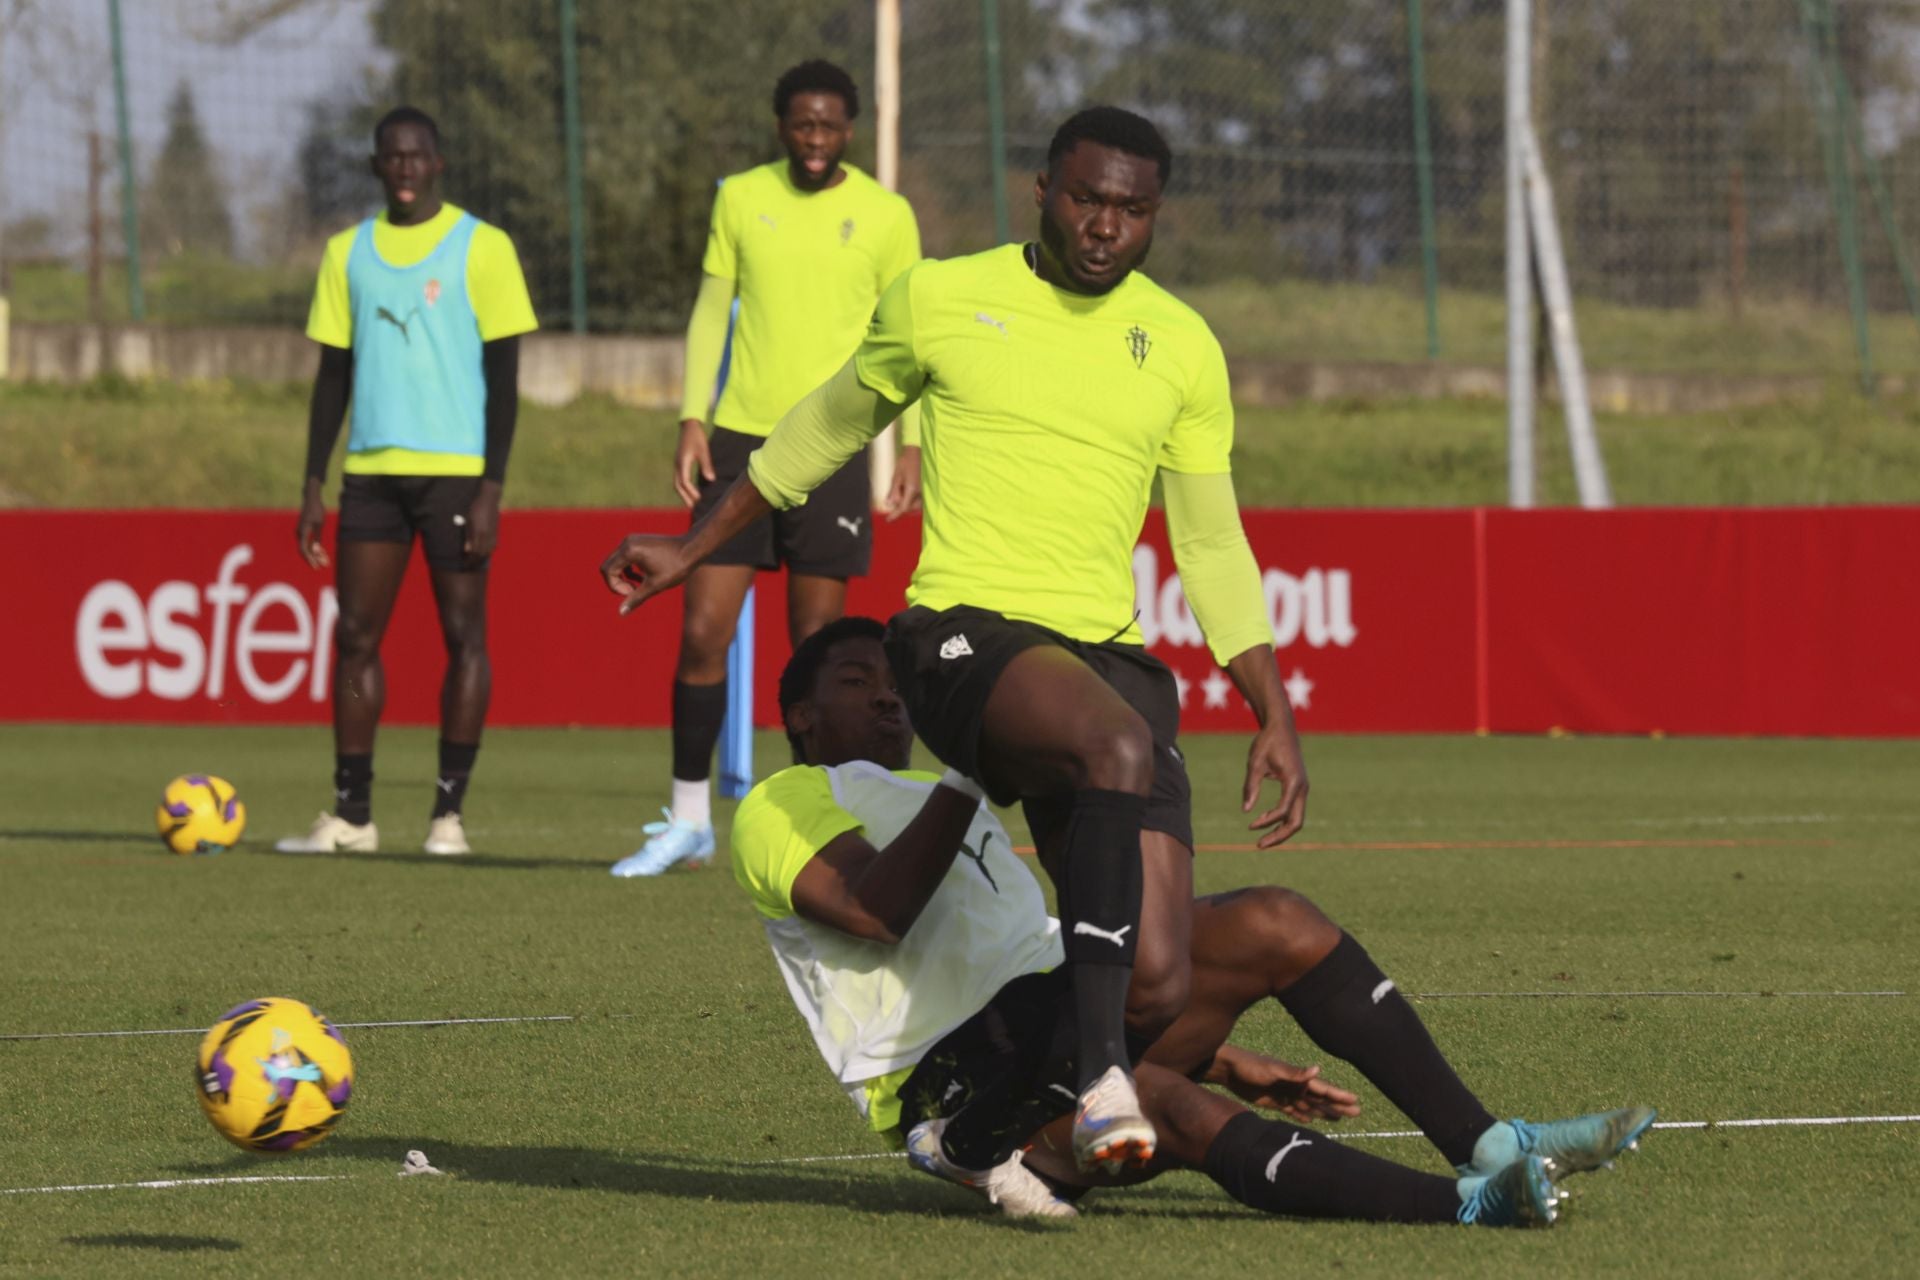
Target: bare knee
[
  {"x": 356, "y": 639},
  {"x": 1115, "y": 755},
  {"x": 1290, "y": 934},
  {"x": 466, "y": 642},
  {"x": 704, "y": 637},
  {"x": 1158, "y": 994}
]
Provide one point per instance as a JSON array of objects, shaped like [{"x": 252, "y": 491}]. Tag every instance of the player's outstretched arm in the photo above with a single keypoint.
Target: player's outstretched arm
[
  {"x": 1222, "y": 584},
  {"x": 332, "y": 386},
  {"x": 645, "y": 564},
  {"x": 1274, "y": 1085},
  {"x": 877, "y": 894}
]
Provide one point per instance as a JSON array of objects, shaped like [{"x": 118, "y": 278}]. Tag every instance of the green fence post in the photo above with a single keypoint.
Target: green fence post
[
  {"x": 1839, "y": 179},
  {"x": 129, "y": 192},
  {"x": 1423, "y": 168},
  {"x": 1876, "y": 184},
  {"x": 996, "y": 120},
  {"x": 576, "y": 204}
]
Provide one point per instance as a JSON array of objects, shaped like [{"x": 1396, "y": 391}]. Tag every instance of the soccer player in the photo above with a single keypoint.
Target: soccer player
[
  {"x": 1055, "y": 381},
  {"x": 418, "y": 314},
  {"x": 806, "y": 244},
  {"x": 919, "y": 951}
]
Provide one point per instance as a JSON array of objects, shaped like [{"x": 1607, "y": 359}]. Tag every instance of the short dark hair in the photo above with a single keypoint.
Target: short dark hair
[
  {"x": 1114, "y": 127},
  {"x": 406, "y": 115},
  {"x": 816, "y": 75},
  {"x": 803, "y": 668}
]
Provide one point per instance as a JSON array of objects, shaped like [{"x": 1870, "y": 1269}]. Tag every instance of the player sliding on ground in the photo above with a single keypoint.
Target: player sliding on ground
[
  {"x": 1054, "y": 382},
  {"x": 918, "y": 949}
]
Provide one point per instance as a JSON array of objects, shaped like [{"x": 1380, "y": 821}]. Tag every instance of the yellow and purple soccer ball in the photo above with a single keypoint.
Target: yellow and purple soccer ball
[
  {"x": 199, "y": 813},
  {"x": 274, "y": 1076}
]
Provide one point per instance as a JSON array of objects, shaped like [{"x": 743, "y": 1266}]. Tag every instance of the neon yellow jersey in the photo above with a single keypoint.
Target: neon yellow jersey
[
  {"x": 1044, "y": 416},
  {"x": 874, "y": 1010},
  {"x": 807, "y": 268},
  {"x": 496, "y": 290}
]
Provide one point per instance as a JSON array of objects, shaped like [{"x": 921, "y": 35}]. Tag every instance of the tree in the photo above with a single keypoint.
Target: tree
[
  {"x": 674, "y": 97},
  {"x": 184, "y": 208}
]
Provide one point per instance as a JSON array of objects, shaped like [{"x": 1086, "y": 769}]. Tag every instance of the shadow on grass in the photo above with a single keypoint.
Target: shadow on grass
[
  {"x": 834, "y": 1186},
  {"x": 159, "y": 1244}
]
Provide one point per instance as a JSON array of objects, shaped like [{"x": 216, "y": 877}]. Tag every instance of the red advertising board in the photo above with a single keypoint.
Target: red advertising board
[{"x": 1697, "y": 621}]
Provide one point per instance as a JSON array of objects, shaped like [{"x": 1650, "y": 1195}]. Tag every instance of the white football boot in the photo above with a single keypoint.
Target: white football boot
[
  {"x": 333, "y": 834},
  {"x": 1009, "y": 1185},
  {"x": 1109, "y": 1130},
  {"x": 446, "y": 836}
]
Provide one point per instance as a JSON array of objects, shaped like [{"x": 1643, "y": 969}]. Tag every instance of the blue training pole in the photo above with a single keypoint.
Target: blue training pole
[{"x": 736, "y": 730}]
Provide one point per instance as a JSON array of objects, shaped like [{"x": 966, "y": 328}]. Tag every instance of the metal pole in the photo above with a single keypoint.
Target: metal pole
[
  {"x": 129, "y": 194},
  {"x": 1519, "y": 260},
  {"x": 1589, "y": 468},
  {"x": 996, "y": 120},
  {"x": 886, "y": 163},
  {"x": 576, "y": 203},
  {"x": 1839, "y": 184},
  {"x": 1423, "y": 168},
  {"x": 1876, "y": 184}
]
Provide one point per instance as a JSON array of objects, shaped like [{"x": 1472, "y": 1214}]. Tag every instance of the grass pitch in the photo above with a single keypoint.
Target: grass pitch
[{"x": 644, "y": 1136}]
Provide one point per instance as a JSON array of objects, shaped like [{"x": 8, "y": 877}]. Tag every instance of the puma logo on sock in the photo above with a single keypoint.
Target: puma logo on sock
[
  {"x": 1118, "y": 937},
  {"x": 1273, "y": 1165}
]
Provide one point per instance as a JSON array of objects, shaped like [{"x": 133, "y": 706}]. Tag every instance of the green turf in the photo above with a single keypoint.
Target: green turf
[
  {"x": 632, "y": 1141},
  {"x": 117, "y": 444}
]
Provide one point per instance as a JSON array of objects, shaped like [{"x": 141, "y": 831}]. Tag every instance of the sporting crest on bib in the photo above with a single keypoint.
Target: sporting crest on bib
[
  {"x": 432, "y": 292},
  {"x": 1138, "y": 344},
  {"x": 846, "y": 231}
]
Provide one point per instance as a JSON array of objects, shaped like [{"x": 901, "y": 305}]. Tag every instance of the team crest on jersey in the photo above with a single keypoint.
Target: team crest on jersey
[
  {"x": 432, "y": 292},
  {"x": 1138, "y": 344},
  {"x": 846, "y": 231}
]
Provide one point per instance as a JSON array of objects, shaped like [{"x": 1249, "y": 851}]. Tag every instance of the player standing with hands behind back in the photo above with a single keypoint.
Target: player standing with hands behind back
[
  {"x": 418, "y": 314},
  {"x": 807, "y": 244}
]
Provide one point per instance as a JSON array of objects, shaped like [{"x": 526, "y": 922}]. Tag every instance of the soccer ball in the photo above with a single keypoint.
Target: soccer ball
[
  {"x": 274, "y": 1076},
  {"x": 199, "y": 813}
]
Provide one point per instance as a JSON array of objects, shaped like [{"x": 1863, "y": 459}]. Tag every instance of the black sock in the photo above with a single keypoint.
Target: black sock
[
  {"x": 698, "y": 710},
  {"x": 1099, "y": 895},
  {"x": 353, "y": 788},
  {"x": 1276, "y": 1167},
  {"x": 456, "y": 767},
  {"x": 1353, "y": 1011}
]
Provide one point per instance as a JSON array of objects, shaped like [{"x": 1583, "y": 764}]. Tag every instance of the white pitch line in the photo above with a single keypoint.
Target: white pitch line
[
  {"x": 173, "y": 1182},
  {"x": 1411, "y": 995},
  {"x": 410, "y": 1022},
  {"x": 1768, "y": 1122}
]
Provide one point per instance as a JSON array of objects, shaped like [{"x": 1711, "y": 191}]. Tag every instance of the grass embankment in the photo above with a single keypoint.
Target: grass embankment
[{"x": 118, "y": 444}]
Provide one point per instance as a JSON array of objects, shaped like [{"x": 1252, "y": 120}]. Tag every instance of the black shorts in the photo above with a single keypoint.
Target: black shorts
[
  {"x": 830, "y": 535},
  {"x": 946, "y": 665},
  {"x": 395, "y": 508},
  {"x": 1012, "y": 1033}
]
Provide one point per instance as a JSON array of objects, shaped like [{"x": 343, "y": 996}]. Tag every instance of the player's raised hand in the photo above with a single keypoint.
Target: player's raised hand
[
  {"x": 306, "y": 533},
  {"x": 644, "y": 565},
  {"x": 903, "y": 495},
  {"x": 1276, "y": 754},
  {"x": 690, "y": 456}
]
